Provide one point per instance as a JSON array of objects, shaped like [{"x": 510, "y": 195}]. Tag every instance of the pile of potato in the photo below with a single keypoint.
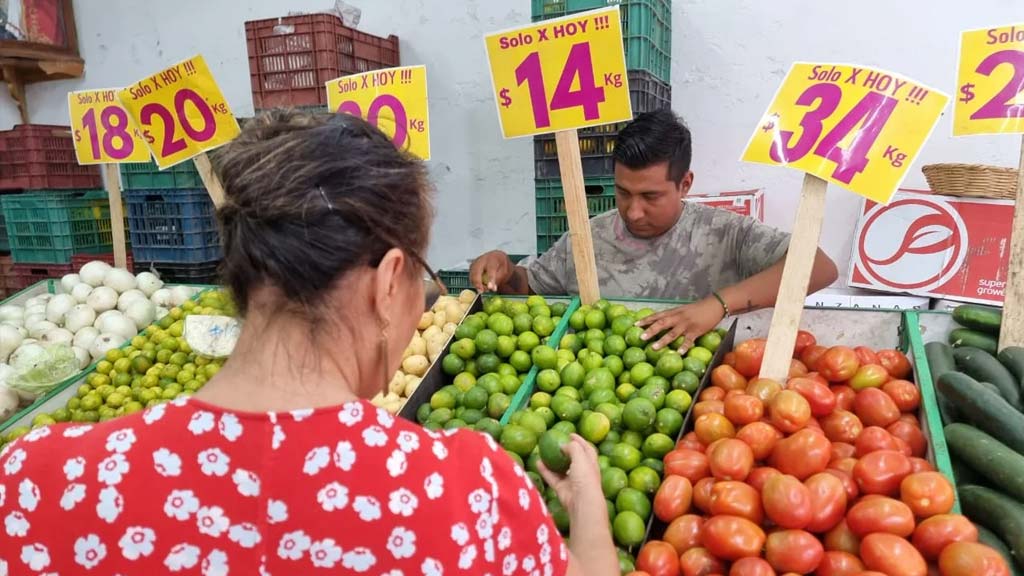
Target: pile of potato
[{"x": 432, "y": 334}]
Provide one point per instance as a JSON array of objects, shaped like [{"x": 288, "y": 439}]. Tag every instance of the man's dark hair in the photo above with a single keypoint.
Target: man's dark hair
[{"x": 652, "y": 138}]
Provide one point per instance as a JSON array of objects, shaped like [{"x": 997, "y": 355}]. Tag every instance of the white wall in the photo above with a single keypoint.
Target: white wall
[{"x": 729, "y": 56}]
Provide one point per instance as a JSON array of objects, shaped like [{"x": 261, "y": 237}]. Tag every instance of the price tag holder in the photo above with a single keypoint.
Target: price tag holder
[
  {"x": 990, "y": 81},
  {"x": 103, "y": 131},
  {"x": 855, "y": 126},
  {"x": 560, "y": 74},
  {"x": 394, "y": 100},
  {"x": 181, "y": 112}
]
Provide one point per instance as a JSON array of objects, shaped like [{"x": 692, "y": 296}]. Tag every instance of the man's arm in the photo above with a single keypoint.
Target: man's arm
[{"x": 495, "y": 272}]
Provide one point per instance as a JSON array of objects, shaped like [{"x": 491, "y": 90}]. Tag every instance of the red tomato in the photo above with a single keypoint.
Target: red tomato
[
  {"x": 702, "y": 494},
  {"x": 796, "y": 369},
  {"x": 749, "y": 355},
  {"x": 689, "y": 440},
  {"x": 708, "y": 407},
  {"x": 937, "y": 532},
  {"x": 880, "y": 514},
  {"x": 818, "y": 395},
  {"x": 764, "y": 389},
  {"x": 842, "y": 539},
  {"x": 758, "y": 476},
  {"x": 972, "y": 559},
  {"x": 927, "y": 494},
  {"x": 787, "y": 502},
  {"x": 789, "y": 411},
  {"x": 730, "y": 459},
  {"x": 817, "y": 378},
  {"x": 866, "y": 355},
  {"x": 828, "y": 501},
  {"x": 849, "y": 485},
  {"x": 838, "y": 563},
  {"x": 658, "y": 559},
  {"x": 896, "y": 363},
  {"x": 892, "y": 555},
  {"x": 683, "y": 533},
  {"x": 838, "y": 364},
  {"x": 845, "y": 465},
  {"x": 732, "y": 537},
  {"x": 904, "y": 393},
  {"x": 804, "y": 339},
  {"x": 729, "y": 358},
  {"x": 842, "y": 450},
  {"x": 811, "y": 355},
  {"x": 731, "y": 393},
  {"x": 638, "y": 573},
  {"x": 711, "y": 427},
  {"x": 751, "y": 566},
  {"x": 761, "y": 437},
  {"x": 875, "y": 408},
  {"x": 844, "y": 397},
  {"x": 920, "y": 465},
  {"x": 673, "y": 498},
  {"x": 802, "y": 455},
  {"x": 736, "y": 499},
  {"x": 700, "y": 562},
  {"x": 793, "y": 551},
  {"x": 869, "y": 376},
  {"x": 743, "y": 409},
  {"x": 873, "y": 439},
  {"x": 881, "y": 472},
  {"x": 911, "y": 434},
  {"x": 842, "y": 426},
  {"x": 691, "y": 464},
  {"x": 712, "y": 393},
  {"x": 727, "y": 378}
]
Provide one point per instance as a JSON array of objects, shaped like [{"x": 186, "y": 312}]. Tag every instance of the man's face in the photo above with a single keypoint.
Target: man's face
[{"x": 648, "y": 201}]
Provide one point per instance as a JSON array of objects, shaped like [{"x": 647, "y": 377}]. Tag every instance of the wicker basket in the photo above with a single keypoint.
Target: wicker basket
[{"x": 972, "y": 180}]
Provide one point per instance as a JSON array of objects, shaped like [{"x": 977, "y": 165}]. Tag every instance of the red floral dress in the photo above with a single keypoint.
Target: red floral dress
[{"x": 190, "y": 488}]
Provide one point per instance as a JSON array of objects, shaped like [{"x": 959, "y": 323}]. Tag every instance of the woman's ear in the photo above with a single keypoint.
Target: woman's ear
[{"x": 388, "y": 279}]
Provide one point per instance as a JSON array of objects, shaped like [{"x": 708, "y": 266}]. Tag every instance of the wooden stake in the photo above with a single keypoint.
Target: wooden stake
[
  {"x": 113, "y": 179},
  {"x": 803, "y": 246},
  {"x": 1012, "y": 331},
  {"x": 571, "y": 166},
  {"x": 210, "y": 179}
]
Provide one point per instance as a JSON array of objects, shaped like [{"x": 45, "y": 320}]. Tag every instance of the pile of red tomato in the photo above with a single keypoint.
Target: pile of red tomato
[{"x": 823, "y": 476}]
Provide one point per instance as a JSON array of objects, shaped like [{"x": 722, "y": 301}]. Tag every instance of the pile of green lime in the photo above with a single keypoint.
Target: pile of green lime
[
  {"x": 489, "y": 357},
  {"x": 156, "y": 366}
]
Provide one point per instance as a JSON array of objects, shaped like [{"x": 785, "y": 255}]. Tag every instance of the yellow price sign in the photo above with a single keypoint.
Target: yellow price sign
[
  {"x": 560, "y": 74},
  {"x": 181, "y": 111},
  {"x": 990, "y": 77},
  {"x": 858, "y": 127},
  {"x": 103, "y": 131},
  {"x": 394, "y": 100}
]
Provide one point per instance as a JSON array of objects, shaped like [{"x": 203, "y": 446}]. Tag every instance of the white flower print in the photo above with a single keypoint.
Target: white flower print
[
  {"x": 121, "y": 441},
  {"x": 408, "y": 441},
  {"x": 28, "y": 495},
  {"x": 74, "y": 468},
  {"x": 524, "y": 499},
  {"x": 397, "y": 463},
  {"x": 3, "y": 495},
  {"x": 375, "y": 436},
  {"x": 13, "y": 463},
  {"x": 215, "y": 564},
  {"x": 393, "y": 573},
  {"x": 248, "y": 483},
  {"x": 542, "y": 534},
  {"x": 211, "y": 521},
  {"x": 16, "y": 524},
  {"x": 293, "y": 545},
  {"x": 403, "y": 502},
  {"x": 179, "y": 401},
  {"x": 137, "y": 542},
  {"x": 201, "y": 422},
  {"x": 489, "y": 550},
  {"x": 77, "y": 431},
  {"x": 358, "y": 559},
  {"x": 517, "y": 469},
  {"x": 431, "y": 567},
  {"x": 37, "y": 434},
  {"x": 263, "y": 566},
  {"x": 490, "y": 442},
  {"x": 166, "y": 463},
  {"x": 316, "y": 460},
  {"x": 367, "y": 507},
  {"x": 549, "y": 570},
  {"x": 89, "y": 551},
  {"x": 182, "y": 557},
  {"x": 402, "y": 543},
  {"x": 563, "y": 553},
  {"x": 384, "y": 418},
  {"x": 484, "y": 526},
  {"x": 277, "y": 511},
  {"x": 181, "y": 504},
  {"x": 351, "y": 414},
  {"x": 229, "y": 427},
  {"x": 245, "y": 535},
  {"x": 325, "y": 553},
  {"x": 467, "y": 557},
  {"x": 529, "y": 564},
  {"x": 504, "y": 539},
  {"x": 37, "y": 556},
  {"x": 509, "y": 565},
  {"x": 110, "y": 504},
  {"x": 479, "y": 501},
  {"x": 300, "y": 415},
  {"x": 73, "y": 494},
  {"x": 439, "y": 450},
  {"x": 112, "y": 469},
  {"x": 332, "y": 497},
  {"x": 214, "y": 462},
  {"x": 155, "y": 413},
  {"x": 434, "y": 486},
  {"x": 486, "y": 469},
  {"x": 344, "y": 455},
  {"x": 278, "y": 437},
  {"x": 545, "y": 553},
  {"x": 460, "y": 534}
]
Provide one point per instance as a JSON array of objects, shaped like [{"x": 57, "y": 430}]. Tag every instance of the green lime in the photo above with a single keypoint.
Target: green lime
[
  {"x": 548, "y": 380},
  {"x": 514, "y": 308},
  {"x": 639, "y": 414},
  {"x": 506, "y": 346},
  {"x": 594, "y": 426},
  {"x": 612, "y": 481},
  {"x": 494, "y": 305},
  {"x": 625, "y": 456},
  {"x": 615, "y": 311},
  {"x": 694, "y": 365},
  {"x": 61, "y": 415},
  {"x": 655, "y": 393},
  {"x": 639, "y": 373},
  {"x": 544, "y": 357},
  {"x": 543, "y": 326},
  {"x": 464, "y": 381},
  {"x": 518, "y": 439},
  {"x": 633, "y": 438},
  {"x": 602, "y": 305},
  {"x": 559, "y": 308},
  {"x": 687, "y": 381},
  {"x": 603, "y": 463},
  {"x": 700, "y": 353},
  {"x": 454, "y": 423},
  {"x": 595, "y": 319},
  {"x": 520, "y": 361},
  {"x": 497, "y": 405},
  {"x": 596, "y": 345},
  {"x": 487, "y": 362},
  {"x": 568, "y": 392},
  {"x": 91, "y": 401},
  {"x": 625, "y": 391},
  {"x": 491, "y": 383},
  {"x": 598, "y": 379},
  {"x": 471, "y": 416},
  {"x": 452, "y": 364},
  {"x": 533, "y": 422},
  {"x": 628, "y": 529},
  {"x": 678, "y": 400},
  {"x": 509, "y": 384},
  {"x": 527, "y": 341},
  {"x": 645, "y": 480},
  {"x": 567, "y": 427},
  {"x": 506, "y": 369},
  {"x": 547, "y": 414},
  {"x": 633, "y": 356},
  {"x": 466, "y": 330},
  {"x": 590, "y": 360},
  {"x": 657, "y": 445},
  {"x": 601, "y": 396},
  {"x": 550, "y": 445},
  {"x": 614, "y": 345},
  {"x": 465, "y": 348},
  {"x": 486, "y": 341},
  {"x": 440, "y": 416},
  {"x": 643, "y": 313},
  {"x": 630, "y": 499},
  {"x": 612, "y": 411},
  {"x": 634, "y": 337},
  {"x": 559, "y": 515},
  {"x": 501, "y": 324},
  {"x": 710, "y": 341},
  {"x": 488, "y": 426},
  {"x": 476, "y": 321},
  {"x": 573, "y": 375},
  {"x": 621, "y": 325},
  {"x": 578, "y": 320},
  {"x": 422, "y": 413},
  {"x": 614, "y": 365},
  {"x": 522, "y": 322},
  {"x": 540, "y": 399},
  {"x": 627, "y": 563},
  {"x": 570, "y": 342},
  {"x": 566, "y": 408},
  {"x": 669, "y": 365},
  {"x": 476, "y": 398}
]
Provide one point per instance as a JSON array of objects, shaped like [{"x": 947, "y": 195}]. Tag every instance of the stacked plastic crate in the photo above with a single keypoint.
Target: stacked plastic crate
[
  {"x": 647, "y": 39},
  {"x": 52, "y": 208}
]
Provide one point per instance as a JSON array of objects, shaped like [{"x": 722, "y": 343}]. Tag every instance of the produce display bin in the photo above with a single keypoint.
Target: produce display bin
[
  {"x": 458, "y": 280},
  {"x": 38, "y": 156},
  {"x": 172, "y": 226},
  {"x": 147, "y": 176},
  {"x": 188, "y": 273},
  {"x": 551, "y": 219},
  {"x": 49, "y": 226}
]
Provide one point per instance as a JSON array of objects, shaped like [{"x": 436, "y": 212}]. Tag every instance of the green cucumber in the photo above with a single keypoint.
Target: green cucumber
[
  {"x": 967, "y": 337},
  {"x": 991, "y": 387},
  {"x": 986, "y": 409},
  {"x": 981, "y": 318},
  {"x": 997, "y": 512},
  {"x": 940, "y": 358},
  {"x": 964, "y": 474},
  {"x": 989, "y": 538},
  {"x": 1013, "y": 358},
  {"x": 984, "y": 367},
  {"x": 989, "y": 457}
]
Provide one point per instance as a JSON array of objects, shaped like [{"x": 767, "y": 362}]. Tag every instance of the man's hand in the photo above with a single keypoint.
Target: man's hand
[
  {"x": 491, "y": 270},
  {"x": 689, "y": 321}
]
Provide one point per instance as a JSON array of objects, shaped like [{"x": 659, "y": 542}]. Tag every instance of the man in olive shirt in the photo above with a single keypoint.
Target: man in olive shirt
[{"x": 656, "y": 245}]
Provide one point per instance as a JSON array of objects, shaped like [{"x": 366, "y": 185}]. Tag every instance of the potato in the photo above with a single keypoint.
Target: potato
[
  {"x": 431, "y": 332},
  {"x": 426, "y": 320},
  {"x": 392, "y": 407},
  {"x": 397, "y": 383},
  {"x": 411, "y": 386},
  {"x": 441, "y": 302},
  {"x": 418, "y": 346},
  {"x": 453, "y": 311},
  {"x": 449, "y": 328},
  {"x": 415, "y": 365},
  {"x": 377, "y": 400},
  {"x": 440, "y": 318},
  {"x": 467, "y": 296},
  {"x": 436, "y": 345},
  {"x": 392, "y": 397}
]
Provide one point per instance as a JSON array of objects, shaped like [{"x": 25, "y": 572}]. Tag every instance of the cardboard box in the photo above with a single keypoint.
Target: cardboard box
[
  {"x": 864, "y": 299},
  {"x": 930, "y": 245},
  {"x": 744, "y": 202}
]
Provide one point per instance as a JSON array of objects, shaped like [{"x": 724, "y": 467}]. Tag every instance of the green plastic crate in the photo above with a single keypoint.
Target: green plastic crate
[
  {"x": 458, "y": 280},
  {"x": 147, "y": 176},
  {"x": 551, "y": 219},
  {"x": 49, "y": 226}
]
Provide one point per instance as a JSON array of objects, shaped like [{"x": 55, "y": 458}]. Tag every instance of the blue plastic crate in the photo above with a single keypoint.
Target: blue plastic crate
[{"x": 175, "y": 226}]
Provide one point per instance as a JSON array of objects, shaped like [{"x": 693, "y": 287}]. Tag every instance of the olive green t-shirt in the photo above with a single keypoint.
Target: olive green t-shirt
[{"x": 707, "y": 249}]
